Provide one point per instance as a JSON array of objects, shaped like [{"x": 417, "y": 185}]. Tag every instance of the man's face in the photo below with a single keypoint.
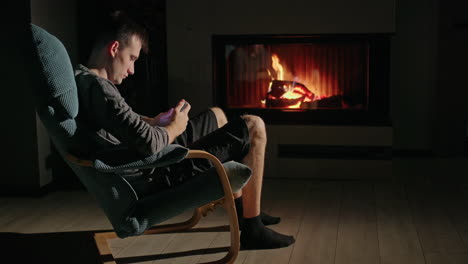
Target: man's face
[{"x": 123, "y": 60}]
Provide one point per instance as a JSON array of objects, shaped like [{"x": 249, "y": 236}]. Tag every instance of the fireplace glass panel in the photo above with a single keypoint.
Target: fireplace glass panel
[
  {"x": 322, "y": 75},
  {"x": 333, "y": 79}
]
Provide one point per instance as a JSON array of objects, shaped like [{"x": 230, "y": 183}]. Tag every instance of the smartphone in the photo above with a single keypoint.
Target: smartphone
[{"x": 184, "y": 106}]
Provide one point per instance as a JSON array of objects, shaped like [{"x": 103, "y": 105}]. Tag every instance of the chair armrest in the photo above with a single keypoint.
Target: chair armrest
[
  {"x": 170, "y": 154},
  {"x": 229, "y": 204}
]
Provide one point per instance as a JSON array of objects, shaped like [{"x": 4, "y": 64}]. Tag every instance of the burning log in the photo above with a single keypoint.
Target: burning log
[{"x": 288, "y": 94}]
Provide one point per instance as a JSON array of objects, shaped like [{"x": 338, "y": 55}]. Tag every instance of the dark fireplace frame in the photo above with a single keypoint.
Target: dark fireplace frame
[{"x": 377, "y": 113}]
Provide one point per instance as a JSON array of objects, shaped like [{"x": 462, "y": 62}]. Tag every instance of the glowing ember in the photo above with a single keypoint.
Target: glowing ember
[
  {"x": 291, "y": 95},
  {"x": 298, "y": 105}
]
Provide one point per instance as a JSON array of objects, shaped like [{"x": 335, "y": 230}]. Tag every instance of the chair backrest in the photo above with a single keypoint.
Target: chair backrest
[
  {"x": 55, "y": 91},
  {"x": 56, "y": 99}
]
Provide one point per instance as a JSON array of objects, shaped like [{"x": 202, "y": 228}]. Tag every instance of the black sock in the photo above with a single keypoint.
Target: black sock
[
  {"x": 266, "y": 219},
  {"x": 239, "y": 209},
  {"x": 255, "y": 235}
]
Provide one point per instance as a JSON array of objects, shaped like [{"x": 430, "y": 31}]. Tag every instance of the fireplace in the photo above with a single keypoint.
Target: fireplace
[{"x": 338, "y": 79}]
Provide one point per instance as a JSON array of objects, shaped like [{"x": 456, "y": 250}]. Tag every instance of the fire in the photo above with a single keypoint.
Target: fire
[
  {"x": 298, "y": 105},
  {"x": 288, "y": 94},
  {"x": 292, "y": 95},
  {"x": 277, "y": 67}
]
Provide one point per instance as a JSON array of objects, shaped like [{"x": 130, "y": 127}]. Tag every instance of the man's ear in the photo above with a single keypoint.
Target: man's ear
[{"x": 113, "y": 47}]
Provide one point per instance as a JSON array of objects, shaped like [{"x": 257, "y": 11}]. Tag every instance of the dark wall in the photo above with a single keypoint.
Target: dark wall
[
  {"x": 451, "y": 120},
  {"x": 146, "y": 91},
  {"x": 414, "y": 71},
  {"x": 19, "y": 141}
]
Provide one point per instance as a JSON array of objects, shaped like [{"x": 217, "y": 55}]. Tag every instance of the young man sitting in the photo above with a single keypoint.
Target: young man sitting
[{"x": 114, "y": 123}]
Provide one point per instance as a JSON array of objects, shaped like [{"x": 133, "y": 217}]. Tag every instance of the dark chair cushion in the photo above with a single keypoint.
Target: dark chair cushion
[{"x": 55, "y": 81}]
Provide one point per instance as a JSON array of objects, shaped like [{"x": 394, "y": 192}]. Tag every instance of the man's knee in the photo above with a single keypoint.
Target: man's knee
[
  {"x": 220, "y": 116},
  {"x": 257, "y": 130}
]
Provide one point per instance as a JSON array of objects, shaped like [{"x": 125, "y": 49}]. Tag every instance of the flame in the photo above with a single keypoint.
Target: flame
[
  {"x": 277, "y": 67},
  {"x": 291, "y": 92}
]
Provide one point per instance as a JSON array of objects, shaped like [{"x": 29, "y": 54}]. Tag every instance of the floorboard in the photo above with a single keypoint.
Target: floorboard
[{"x": 422, "y": 220}]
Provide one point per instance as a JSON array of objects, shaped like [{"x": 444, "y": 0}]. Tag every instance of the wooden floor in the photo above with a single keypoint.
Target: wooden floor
[{"x": 422, "y": 220}]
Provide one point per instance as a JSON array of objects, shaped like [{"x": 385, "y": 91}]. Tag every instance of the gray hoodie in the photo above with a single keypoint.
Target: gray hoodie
[{"x": 111, "y": 121}]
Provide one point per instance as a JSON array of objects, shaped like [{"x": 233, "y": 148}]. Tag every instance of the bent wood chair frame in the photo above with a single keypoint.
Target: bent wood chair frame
[{"x": 101, "y": 238}]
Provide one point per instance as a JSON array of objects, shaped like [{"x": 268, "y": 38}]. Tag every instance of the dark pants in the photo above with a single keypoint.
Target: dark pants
[{"x": 230, "y": 142}]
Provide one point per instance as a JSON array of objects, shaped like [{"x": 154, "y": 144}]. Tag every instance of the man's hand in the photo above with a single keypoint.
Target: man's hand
[
  {"x": 178, "y": 122},
  {"x": 163, "y": 119}
]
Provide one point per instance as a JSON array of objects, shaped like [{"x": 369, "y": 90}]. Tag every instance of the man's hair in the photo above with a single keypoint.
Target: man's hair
[{"x": 119, "y": 26}]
